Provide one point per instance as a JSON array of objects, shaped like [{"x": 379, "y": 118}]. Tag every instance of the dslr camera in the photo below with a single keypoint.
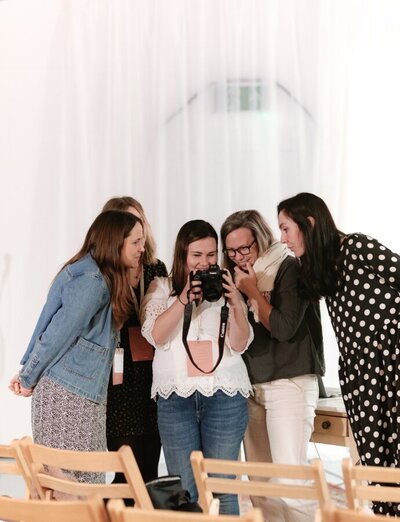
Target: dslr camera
[{"x": 211, "y": 282}]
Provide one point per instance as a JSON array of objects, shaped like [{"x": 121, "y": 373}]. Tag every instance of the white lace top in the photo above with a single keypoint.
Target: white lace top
[{"x": 170, "y": 360}]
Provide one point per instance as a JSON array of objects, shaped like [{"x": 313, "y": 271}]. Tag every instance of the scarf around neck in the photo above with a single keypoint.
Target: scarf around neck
[{"x": 266, "y": 267}]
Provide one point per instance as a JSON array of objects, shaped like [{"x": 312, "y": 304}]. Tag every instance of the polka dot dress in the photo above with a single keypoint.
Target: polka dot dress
[{"x": 365, "y": 316}]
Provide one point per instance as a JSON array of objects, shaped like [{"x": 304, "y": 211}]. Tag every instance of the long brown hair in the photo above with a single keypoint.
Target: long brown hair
[
  {"x": 123, "y": 203},
  {"x": 189, "y": 232},
  {"x": 104, "y": 241}
]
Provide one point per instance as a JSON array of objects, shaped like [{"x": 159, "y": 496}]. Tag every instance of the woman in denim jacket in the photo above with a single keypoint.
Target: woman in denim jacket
[{"x": 67, "y": 364}]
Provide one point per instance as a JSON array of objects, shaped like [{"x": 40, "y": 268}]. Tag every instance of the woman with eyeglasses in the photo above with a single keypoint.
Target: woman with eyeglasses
[{"x": 285, "y": 357}]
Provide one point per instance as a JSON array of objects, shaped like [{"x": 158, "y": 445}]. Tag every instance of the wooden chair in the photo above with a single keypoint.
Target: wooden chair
[
  {"x": 357, "y": 487},
  {"x": 89, "y": 510},
  {"x": 302, "y": 482},
  {"x": 45, "y": 467},
  {"x": 119, "y": 513},
  {"x": 11, "y": 465},
  {"x": 331, "y": 513}
]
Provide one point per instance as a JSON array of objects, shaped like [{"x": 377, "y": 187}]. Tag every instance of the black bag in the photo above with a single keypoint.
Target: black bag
[{"x": 167, "y": 493}]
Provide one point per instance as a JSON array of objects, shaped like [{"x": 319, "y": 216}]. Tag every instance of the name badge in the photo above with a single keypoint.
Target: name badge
[
  {"x": 141, "y": 350},
  {"x": 118, "y": 367},
  {"x": 202, "y": 355}
]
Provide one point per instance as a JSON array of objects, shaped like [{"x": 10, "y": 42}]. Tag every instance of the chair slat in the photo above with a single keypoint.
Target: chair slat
[
  {"x": 46, "y": 467},
  {"x": 266, "y": 479},
  {"x": 90, "y": 510},
  {"x": 358, "y": 491}
]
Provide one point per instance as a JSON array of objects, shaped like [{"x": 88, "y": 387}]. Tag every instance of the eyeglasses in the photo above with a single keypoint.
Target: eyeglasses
[{"x": 244, "y": 250}]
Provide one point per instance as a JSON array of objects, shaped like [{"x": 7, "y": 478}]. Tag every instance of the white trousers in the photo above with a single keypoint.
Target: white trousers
[{"x": 281, "y": 421}]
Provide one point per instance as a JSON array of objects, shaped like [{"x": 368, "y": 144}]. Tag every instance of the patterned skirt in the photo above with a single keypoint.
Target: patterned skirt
[{"x": 61, "y": 419}]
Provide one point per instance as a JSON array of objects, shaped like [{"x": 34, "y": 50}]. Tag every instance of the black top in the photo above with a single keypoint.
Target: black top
[
  {"x": 294, "y": 346},
  {"x": 130, "y": 410}
]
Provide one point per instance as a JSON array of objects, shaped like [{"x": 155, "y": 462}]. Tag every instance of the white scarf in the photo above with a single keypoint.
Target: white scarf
[{"x": 266, "y": 267}]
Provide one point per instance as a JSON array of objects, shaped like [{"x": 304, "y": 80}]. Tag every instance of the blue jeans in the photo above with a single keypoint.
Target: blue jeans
[{"x": 214, "y": 425}]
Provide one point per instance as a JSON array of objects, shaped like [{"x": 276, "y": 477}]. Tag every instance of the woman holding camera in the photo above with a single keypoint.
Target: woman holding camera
[{"x": 201, "y": 406}]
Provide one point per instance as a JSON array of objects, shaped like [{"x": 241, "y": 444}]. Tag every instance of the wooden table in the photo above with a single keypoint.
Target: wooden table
[{"x": 331, "y": 425}]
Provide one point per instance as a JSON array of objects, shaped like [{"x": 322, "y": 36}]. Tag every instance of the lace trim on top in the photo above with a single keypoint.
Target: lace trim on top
[
  {"x": 187, "y": 391},
  {"x": 152, "y": 312}
]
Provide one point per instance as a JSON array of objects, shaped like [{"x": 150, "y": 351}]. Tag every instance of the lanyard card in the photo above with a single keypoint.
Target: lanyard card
[
  {"x": 202, "y": 355},
  {"x": 141, "y": 350},
  {"x": 118, "y": 366}
]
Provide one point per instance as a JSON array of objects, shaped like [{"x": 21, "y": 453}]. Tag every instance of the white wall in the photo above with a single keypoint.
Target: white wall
[{"x": 86, "y": 93}]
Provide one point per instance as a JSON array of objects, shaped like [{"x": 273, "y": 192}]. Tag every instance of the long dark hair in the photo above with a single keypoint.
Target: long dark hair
[
  {"x": 189, "y": 232},
  {"x": 104, "y": 241},
  {"x": 318, "y": 274}
]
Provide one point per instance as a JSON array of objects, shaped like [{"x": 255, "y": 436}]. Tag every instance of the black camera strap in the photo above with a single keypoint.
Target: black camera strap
[{"x": 187, "y": 317}]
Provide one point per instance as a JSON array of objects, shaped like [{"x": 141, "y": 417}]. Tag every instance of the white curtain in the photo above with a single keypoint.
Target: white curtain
[{"x": 195, "y": 107}]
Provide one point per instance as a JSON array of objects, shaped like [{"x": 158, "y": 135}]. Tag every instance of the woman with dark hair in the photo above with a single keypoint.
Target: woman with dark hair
[
  {"x": 131, "y": 413},
  {"x": 67, "y": 364},
  {"x": 201, "y": 406},
  {"x": 285, "y": 358},
  {"x": 360, "y": 281}
]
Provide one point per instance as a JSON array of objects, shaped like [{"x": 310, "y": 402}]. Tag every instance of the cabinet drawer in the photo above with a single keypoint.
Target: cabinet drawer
[{"x": 330, "y": 425}]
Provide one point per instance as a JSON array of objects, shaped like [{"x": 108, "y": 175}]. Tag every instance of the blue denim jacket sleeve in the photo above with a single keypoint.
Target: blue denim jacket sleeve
[{"x": 81, "y": 298}]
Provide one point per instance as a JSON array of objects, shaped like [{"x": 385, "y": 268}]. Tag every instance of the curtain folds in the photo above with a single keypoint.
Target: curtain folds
[{"x": 197, "y": 108}]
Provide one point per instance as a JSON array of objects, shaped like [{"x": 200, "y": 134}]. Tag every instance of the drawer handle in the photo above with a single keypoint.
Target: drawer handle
[{"x": 326, "y": 425}]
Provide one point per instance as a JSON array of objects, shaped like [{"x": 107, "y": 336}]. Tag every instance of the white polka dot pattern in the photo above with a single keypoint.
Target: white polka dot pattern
[{"x": 365, "y": 316}]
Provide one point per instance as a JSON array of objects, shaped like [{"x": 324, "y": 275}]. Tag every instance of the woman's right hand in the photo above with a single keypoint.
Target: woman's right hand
[
  {"x": 191, "y": 292},
  {"x": 246, "y": 280}
]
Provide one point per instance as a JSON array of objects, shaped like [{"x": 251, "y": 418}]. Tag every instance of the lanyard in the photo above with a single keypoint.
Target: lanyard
[{"x": 221, "y": 336}]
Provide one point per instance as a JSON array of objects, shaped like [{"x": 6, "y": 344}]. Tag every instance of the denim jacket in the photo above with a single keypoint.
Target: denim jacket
[{"x": 74, "y": 341}]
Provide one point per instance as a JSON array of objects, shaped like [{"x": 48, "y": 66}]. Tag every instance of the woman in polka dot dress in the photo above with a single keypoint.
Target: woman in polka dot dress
[{"x": 360, "y": 279}]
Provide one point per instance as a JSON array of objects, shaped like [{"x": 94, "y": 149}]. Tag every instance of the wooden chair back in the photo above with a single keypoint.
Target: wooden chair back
[
  {"x": 10, "y": 464},
  {"x": 89, "y": 510},
  {"x": 119, "y": 513},
  {"x": 358, "y": 489},
  {"x": 299, "y": 482},
  {"x": 334, "y": 514},
  {"x": 46, "y": 467}
]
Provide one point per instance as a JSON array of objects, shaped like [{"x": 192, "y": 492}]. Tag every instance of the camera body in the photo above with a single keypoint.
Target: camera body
[{"x": 211, "y": 282}]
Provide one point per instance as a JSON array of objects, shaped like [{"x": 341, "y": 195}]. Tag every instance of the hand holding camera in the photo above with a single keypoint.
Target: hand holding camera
[
  {"x": 213, "y": 283},
  {"x": 207, "y": 284}
]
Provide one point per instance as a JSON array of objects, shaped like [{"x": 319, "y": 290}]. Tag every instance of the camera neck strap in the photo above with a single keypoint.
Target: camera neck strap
[{"x": 187, "y": 317}]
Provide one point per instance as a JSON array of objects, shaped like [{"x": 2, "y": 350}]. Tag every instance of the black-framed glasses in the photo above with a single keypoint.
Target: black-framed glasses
[{"x": 244, "y": 250}]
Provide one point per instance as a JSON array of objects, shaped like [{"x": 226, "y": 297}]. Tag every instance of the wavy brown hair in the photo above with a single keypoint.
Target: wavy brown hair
[
  {"x": 104, "y": 241},
  {"x": 188, "y": 233},
  {"x": 123, "y": 203}
]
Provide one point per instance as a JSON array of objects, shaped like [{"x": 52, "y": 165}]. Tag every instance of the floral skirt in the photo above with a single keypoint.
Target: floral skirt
[{"x": 62, "y": 419}]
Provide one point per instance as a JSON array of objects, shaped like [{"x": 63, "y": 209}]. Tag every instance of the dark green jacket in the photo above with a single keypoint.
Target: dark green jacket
[{"x": 294, "y": 346}]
